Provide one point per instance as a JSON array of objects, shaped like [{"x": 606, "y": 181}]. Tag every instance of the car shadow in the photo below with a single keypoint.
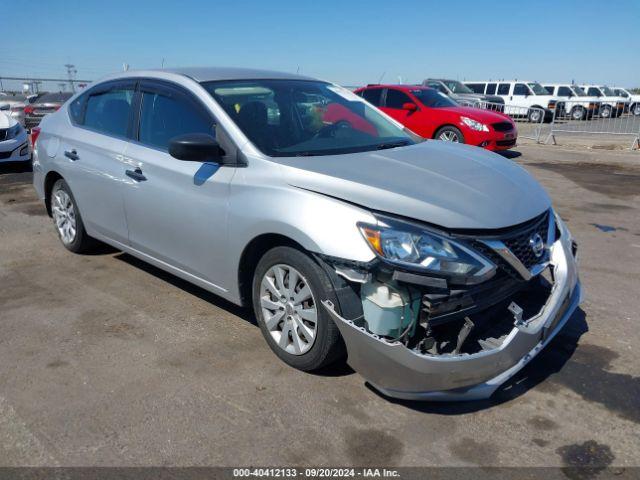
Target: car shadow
[
  {"x": 509, "y": 154},
  {"x": 548, "y": 362},
  {"x": 15, "y": 167},
  {"x": 337, "y": 369}
]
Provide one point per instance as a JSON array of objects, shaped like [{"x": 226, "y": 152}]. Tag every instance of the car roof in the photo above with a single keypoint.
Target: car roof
[
  {"x": 398, "y": 86},
  {"x": 208, "y": 74}
]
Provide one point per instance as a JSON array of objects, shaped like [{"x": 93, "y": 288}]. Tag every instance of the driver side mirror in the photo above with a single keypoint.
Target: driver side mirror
[
  {"x": 409, "y": 107},
  {"x": 196, "y": 147}
]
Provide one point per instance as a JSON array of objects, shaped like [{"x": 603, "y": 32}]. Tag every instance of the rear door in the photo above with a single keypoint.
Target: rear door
[
  {"x": 176, "y": 210},
  {"x": 91, "y": 156}
]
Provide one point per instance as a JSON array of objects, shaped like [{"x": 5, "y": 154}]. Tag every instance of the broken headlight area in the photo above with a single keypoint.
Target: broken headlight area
[
  {"x": 443, "y": 293},
  {"x": 444, "y": 319}
]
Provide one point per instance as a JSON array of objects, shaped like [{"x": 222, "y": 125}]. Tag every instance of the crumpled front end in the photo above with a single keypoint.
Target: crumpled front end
[{"x": 467, "y": 353}]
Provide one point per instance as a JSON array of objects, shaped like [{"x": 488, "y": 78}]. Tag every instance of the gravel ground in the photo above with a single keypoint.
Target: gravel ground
[{"x": 105, "y": 360}]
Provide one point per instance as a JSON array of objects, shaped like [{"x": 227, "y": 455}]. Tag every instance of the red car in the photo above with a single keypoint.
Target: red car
[{"x": 432, "y": 114}]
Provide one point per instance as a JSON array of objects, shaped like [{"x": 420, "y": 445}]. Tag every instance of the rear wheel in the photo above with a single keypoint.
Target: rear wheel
[
  {"x": 67, "y": 219},
  {"x": 635, "y": 109},
  {"x": 288, "y": 287},
  {"x": 449, "y": 134},
  {"x": 605, "y": 111},
  {"x": 534, "y": 115}
]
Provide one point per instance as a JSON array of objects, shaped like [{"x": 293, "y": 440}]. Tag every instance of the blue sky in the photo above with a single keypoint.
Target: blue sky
[{"x": 347, "y": 42}]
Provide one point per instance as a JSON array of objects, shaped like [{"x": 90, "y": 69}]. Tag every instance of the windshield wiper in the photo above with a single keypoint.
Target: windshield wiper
[{"x": 384, "y": 146}]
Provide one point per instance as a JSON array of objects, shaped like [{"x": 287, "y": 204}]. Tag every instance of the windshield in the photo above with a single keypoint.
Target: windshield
[
  {"x": 538, "y": 89},
  {"x": 433, "y": 98},
  {"x": 608, "y": 92},
  {"x": 457, "y": 87},
  {"x": 578, "y": 91},
  {"x": 621, "y": 92},
  {"x": 285, "y": 118}
]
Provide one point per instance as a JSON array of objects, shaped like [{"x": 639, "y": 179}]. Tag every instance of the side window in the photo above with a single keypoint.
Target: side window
[
  {"x": 503, "y": 89},
  {"x": 520, "y": 89},
  {"x": 373, "y": 96},
  {"x": 396, "y": 98},
  {"x": 491, "y": 89},
  {"x": 551, "y": 89},
  {"x": 163, "y": 117},
  {"x": 564, "y": 92},
  {"x": 108, "y": 112},
  {"x": 476, "y": 87},
  {"x": 594, "y": 92},
  {"x": 76, "y": 109}
]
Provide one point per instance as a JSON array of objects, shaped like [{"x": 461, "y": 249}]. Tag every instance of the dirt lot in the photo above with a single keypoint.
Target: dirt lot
[{"x": 107, "y": 361}]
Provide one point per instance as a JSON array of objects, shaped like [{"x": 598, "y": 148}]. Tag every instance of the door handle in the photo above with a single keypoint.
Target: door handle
[
  {"x": 136, "y": 174},
  {"x": 72, "y": 155}
]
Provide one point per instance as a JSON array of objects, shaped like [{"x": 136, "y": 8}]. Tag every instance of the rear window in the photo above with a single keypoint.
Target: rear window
[{"x": 59, "y": 97}]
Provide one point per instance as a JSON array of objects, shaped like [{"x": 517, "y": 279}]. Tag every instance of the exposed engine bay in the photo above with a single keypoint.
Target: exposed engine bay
[{"x": 426, "y": 337}]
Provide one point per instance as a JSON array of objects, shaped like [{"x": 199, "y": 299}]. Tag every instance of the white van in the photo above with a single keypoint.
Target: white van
[
  {"x": 578, "y": 105},
  {"x": 611, "y": 105},
  {"x": 632, "y": 98},
  {"x": 521, "y": 98}
]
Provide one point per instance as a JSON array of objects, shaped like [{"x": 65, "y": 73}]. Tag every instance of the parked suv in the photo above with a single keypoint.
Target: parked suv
[
  {"x": 442, "y": 269},
  {"x": 521, "y": 99},
  {"x": 577, "y": 104},
  {"x": 463, "y": 94},
  {"x": 611, "y": 105},
  {"x": 431, "y": 114},
  {"x": 632, "y": 98}
]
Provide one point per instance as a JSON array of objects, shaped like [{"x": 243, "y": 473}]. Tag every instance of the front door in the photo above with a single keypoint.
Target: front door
[{"x": 176, "y": 210}]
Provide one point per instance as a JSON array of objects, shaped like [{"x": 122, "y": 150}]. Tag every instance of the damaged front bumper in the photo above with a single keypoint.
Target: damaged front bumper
[{"x": 404, "y": 373}]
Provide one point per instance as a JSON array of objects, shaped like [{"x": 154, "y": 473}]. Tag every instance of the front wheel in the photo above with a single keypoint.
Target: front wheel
[
  {"x": 578, "y": 113},
  {"x": 449, "y": 134},
  {"x": 288, "y": 286},
  {"x": 535, "y": 115},
  {"x": 605, "y": 111},
  {"x": 636, "y": 109}
]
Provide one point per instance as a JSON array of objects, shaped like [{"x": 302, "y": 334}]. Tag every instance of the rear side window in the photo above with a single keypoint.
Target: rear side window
[
  {"x": 491, "y": 89},
  {"x": 76, "y": 108},
  {"x": 594, "y": 92},
  {"x": 476, "y": 87},
  {"x": 563, "y": 91},
  {"x": 108, "y": 112},
  {"x": 503, "y": 89},
  {"x": 396, "y": 98},
  {"x": 163, "y": 117},
  {"x": 520, "y": 89},
  {"x": 373, "y": 96}
]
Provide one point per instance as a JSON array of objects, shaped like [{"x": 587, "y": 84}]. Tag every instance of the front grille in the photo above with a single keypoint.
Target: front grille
[
  {"x": 517, "y": 240},
  {"x": 506, "y": 143},
  {"x": 502, "y": 127}
]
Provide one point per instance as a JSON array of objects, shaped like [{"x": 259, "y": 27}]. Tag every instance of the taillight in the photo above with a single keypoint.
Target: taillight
[
  {"x": 28, "y": 110},
  {"x": 35, "y": 132}
]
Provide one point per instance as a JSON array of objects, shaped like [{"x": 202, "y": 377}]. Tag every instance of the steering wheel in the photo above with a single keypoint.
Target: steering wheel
[{"x": 333, "y": 128}]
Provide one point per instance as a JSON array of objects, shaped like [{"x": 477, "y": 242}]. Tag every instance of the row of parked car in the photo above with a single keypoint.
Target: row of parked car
[
  {"x": 577, "y": 101},
  {"x": 28, "y": 110}
]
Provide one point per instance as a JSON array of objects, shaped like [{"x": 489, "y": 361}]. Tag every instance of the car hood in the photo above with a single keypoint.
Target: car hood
[
  {"x": 450, "y": 185},
  {"x": 477, "y": 96}
]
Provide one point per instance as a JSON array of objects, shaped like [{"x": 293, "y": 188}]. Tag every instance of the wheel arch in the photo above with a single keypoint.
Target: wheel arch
[
  {"x": 49, "y": 181},
  {"x": 440, "y": 127},
  {"x": 250, "y": 256}
]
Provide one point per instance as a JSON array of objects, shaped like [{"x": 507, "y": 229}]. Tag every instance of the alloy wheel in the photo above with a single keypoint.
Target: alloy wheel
[
  {"x": 449, "y": 136},
  {"x": 289, "y": 309},
  {"x": 64, "y": 216}
]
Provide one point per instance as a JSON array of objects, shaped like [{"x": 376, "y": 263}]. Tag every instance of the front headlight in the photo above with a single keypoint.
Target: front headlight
[
  {"x": 14, "y": 131},
  {"x": 474, "y": 125},
  {"x": 409, "y": 245}
]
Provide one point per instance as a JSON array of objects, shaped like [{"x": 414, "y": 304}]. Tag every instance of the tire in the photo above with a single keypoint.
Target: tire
[
  {"x": 326, "y": 346},
  {"x": 605, "y": 111},
  {"x": 449, "y": 134},
  {"x": 535, "y": 115},
  {"x": 578, "y": 113},
  {"x": 635, "y": 109},
  {"x": 64, "y": 207}
]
